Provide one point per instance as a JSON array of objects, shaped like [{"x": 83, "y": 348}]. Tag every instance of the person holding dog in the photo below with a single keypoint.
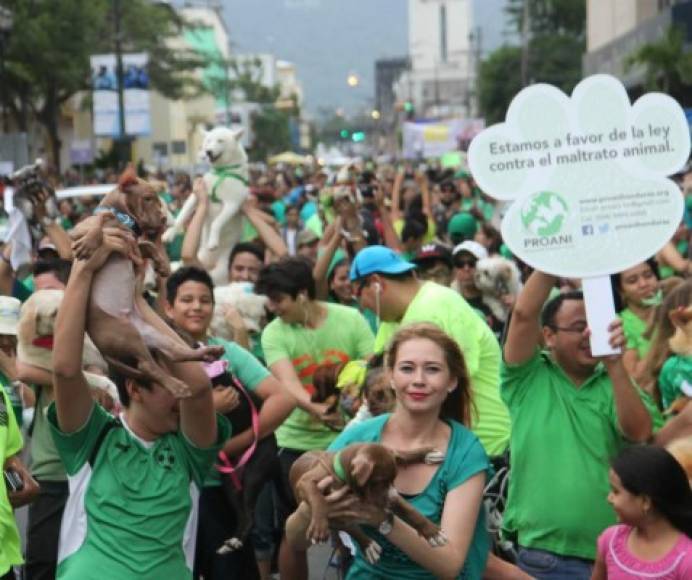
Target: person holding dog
[
  {"x": 190, "y": 294},
  {"x": 433, "y": 408},
  {"x": 133, "y": 481}
]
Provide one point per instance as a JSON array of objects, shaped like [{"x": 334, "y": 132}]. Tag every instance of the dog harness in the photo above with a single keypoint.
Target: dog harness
[
  {"x": 124, "y": 218},
  {"x": 226, "y": 172},
  {"x": 338, "y": 467}
]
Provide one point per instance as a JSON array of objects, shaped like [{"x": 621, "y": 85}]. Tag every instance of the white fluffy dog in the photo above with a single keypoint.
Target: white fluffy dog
[
  {"x": 227, "y": 186},
  {"x": 35, "y": 340},
  {"x": 496, "y": 277},
  {"x": 249, "y": 305}
]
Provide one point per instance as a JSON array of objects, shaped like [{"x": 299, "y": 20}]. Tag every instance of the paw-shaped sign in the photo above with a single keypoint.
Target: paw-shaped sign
[{"x": 587, "y": 174}]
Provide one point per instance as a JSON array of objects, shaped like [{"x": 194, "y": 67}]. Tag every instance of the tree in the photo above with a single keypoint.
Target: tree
[
  {"x": 667, "y": 66},
  {"x": 555, "y": 45},
  {"x": 47, "y": 57}
]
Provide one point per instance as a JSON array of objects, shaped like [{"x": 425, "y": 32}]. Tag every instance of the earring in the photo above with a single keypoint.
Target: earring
[{"x": 391, "y": 384}]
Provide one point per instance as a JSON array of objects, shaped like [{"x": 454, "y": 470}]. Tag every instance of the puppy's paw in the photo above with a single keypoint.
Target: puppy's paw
[
  {"x": 230, "y": 545},
  {"x": 177, "y": 388},
  {"x": 318, "y": 531},
  {"x": 373, "y": 552},
  {"x": 438, "y": 540},
  {"x": 434, "y": 457}
]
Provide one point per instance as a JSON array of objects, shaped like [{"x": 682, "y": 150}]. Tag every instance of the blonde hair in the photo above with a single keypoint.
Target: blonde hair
[{"x": 458, "y": 404}]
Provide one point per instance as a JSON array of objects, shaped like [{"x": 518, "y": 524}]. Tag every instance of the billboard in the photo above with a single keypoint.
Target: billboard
[
  {"x": 104, "y": 80},
  {"x": 429, "y": 139}
]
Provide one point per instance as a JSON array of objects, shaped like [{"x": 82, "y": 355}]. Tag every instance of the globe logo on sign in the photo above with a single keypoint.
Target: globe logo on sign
[{"x": 544, "y": 213}]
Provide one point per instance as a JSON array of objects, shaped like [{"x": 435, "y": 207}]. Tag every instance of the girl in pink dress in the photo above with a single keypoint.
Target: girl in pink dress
[{"x": 651, "y": 496}]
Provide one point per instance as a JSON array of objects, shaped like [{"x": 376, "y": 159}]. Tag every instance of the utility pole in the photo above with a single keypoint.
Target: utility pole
[
  {"x": 123, "y": 141},
  {"x": 525, "y": 32}
]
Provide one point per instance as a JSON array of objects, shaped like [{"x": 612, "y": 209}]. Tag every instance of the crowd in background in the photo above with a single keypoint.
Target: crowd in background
[{"x": 391, "y": 284}]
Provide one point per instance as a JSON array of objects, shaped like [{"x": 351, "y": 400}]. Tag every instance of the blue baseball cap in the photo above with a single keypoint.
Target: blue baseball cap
[{"x": 378, "y": 260}]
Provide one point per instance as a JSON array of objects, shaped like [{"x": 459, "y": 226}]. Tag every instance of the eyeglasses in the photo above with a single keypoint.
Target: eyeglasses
[
  {"x": 576, "y": 329},
  {"x": 465, "y": 263}
]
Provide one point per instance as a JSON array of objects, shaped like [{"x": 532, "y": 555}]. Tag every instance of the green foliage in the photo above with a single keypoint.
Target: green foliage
[
  {"x": 549, "y": 16},
  {"x": 556, "y": 43},
  {"x": 667, "y": 66},
  {"x": 272, "y": 133},
  {"x": 499, "y": 79},
  {"x": 48, "y": 51}
]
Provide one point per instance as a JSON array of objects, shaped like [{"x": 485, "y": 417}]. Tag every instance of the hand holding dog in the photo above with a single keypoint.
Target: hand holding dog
[
  {"x": 113, "y": 239},
  {"x": 345, "y": 509},
  {"x": 225, "y": 399}
]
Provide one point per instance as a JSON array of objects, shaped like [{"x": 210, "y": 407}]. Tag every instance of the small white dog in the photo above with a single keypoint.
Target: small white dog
[
  {"x": 227, "y": 185},
  {"x": 496, "y": 277},
  {"x": 249, "y": 305}
]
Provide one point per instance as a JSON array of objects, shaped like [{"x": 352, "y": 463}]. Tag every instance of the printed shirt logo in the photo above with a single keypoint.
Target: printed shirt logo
[
  {"x": 305, "y": 366},
  {"x": 4, "y": 417},
  {"x": 544, "y": 213}
]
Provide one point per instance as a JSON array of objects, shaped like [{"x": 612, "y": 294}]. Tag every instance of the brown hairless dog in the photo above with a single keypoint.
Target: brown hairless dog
[
  {"x": 369, "y": 470},
  {"x": 114, "y": 323}
]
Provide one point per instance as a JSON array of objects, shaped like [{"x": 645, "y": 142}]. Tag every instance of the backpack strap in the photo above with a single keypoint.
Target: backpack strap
[
  {"x": 37, "y": 394},
  {"x": 101, "y": 436}
]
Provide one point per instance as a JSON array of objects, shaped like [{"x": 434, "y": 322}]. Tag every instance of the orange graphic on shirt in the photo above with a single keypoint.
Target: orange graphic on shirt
[{"x": 305, "y": 366}]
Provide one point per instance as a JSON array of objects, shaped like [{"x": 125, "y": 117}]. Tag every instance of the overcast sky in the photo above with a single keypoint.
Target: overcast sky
[{"x": 329, "y": 39}]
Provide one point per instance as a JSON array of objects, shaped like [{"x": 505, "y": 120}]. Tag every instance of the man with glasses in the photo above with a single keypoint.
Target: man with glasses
[{"x": 571, "y": 413}]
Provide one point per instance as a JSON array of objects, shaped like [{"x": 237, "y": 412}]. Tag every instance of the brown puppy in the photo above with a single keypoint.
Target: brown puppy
[
  {"x": 114, "y": 324},
  {"x": 369, "y": 470}
]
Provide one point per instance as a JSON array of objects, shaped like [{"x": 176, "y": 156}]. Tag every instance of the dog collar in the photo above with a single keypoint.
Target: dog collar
[
  {"x": 226, "y": 172},
  {"x": 339, "y": 470},
  {"x": 126, "y": 219}
]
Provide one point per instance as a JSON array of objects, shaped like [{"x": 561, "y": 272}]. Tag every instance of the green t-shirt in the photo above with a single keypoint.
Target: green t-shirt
[
  {"x": 428, "y": 237},
  {"x": 344, "y": 335},
  {"x": 666, "y": 271},
  {"x": 368, "y": 314},
  {"x": 563, "y": 439},
  {"x": 634, "y": 329},
  {"x": 448, "y": 309},
  {"x": 46, "y": 464},
  {"x": 465, "y": 458},
  {"x": 314, "y": 223},
  {"x": 133, "y": 513},
  {"x": 247, "y": 369},
  {"x": 675, "y": 374},
  {"x": 10, "y": 444}
]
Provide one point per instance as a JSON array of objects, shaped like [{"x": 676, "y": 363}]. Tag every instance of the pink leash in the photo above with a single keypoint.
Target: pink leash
[{"x": 226, "y": 466}]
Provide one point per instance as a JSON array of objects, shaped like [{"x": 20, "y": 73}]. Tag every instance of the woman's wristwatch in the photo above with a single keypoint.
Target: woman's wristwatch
[{"x": 386, "y": 525}]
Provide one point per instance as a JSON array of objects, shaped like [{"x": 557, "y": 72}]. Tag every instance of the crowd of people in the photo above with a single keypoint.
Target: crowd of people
[{"x": 394, "y": 314}]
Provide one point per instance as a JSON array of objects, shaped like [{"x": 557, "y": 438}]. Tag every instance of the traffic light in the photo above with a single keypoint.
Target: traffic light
[
  {"x": 344, "y": 134},
  {"x": 358, "y": 136},
  {"x": 409, "y": 110}
]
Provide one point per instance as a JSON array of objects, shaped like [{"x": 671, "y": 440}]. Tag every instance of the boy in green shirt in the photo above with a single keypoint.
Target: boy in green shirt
[{"x": 134, "y": 483}]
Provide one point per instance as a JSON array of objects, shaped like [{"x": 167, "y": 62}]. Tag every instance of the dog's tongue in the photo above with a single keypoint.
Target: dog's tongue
[{"x": 44, "y": 342}]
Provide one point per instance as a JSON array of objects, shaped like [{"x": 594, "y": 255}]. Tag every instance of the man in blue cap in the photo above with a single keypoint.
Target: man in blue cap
[{"x": 386, "y": 284}]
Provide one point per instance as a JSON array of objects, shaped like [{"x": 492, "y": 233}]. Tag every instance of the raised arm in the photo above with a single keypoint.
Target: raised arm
[
  {"x": 72, "y": 396},
  {"x": 396, "y": 195},
  {"x": 329, "y": 247},
  {"x": 265, "y": 229},
  {"x": 524, "y": 333},
  {"x": 391, "y": 239},
  {"x": 188, "y": 253}
]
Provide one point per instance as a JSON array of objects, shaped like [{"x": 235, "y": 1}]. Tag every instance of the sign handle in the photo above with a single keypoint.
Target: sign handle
[{"x": 600, "y": 312}]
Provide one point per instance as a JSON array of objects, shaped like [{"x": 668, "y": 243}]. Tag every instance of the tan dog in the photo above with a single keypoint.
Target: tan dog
[
  {"x": 119, "y": 332},
  {"x": 35, "y": 339},
  {"x": 369, "y": 469}
]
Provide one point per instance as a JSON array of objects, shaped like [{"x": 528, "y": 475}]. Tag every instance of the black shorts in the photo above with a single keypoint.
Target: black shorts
[{"x": 286, "y": 504}]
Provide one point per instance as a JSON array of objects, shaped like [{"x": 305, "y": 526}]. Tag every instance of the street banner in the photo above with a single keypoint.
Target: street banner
[
  {"x": 104, "y": 80},
  {"x": 587, "y": 176},
  {"x": 432, "y": 139}
]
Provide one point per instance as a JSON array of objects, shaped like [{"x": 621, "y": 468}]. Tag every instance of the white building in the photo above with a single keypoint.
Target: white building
[{"x": 443, "y": 59}]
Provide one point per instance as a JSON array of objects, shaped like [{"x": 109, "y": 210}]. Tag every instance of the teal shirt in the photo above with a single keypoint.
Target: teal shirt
[
  {"x": 247, "y": 369},
  {"x": 465, "y": 458}
]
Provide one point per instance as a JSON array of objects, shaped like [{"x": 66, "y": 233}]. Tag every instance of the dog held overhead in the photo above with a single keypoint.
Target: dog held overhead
[
  {"x": 114, "y": 322},
  {"x": 369, "y": 470},
  {"x": 227, "y": 185}
]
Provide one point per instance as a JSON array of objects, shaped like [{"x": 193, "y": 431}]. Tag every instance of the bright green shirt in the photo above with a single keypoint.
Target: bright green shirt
[
  {"x": 453, "y": 314},
  {"x": 675, "y": 374},
  {"x": 10, "y": 444},
  {"x": 133, "y": 513},
  {"x": 563, "y": 438},
  {"x": 344, "y": 335},
  {"x": 634, "y": 329},
  {"x": 247, "y": 369},
  {"x": 464, "y": 459}
]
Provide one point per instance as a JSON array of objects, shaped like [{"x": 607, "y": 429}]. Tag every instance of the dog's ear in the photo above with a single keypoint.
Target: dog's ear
[
  {"x": 237, "y": 133},
  {"x": 203, "y": 131},
  {"x": 361, "y": 468},
  {"x": 127, "y": 179}
]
